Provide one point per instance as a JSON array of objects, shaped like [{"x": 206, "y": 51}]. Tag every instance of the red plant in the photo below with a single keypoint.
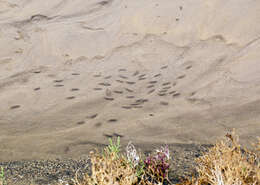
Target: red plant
[{"x": 158, "y": 164}]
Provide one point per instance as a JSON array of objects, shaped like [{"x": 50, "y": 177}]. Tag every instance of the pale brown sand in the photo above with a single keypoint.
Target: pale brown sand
[{"x": 73, "y": 73}]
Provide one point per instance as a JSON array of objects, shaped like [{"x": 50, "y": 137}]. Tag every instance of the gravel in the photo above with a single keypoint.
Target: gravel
[{"x": 40, "y": 172}]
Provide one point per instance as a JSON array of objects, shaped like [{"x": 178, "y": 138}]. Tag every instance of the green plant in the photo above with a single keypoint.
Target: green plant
[
  {"x": 110, "y": 168},
  {"x": 2, "y": 177},
  {"x": 114, "y": 147},
  {"x": 140, "y": 169}
]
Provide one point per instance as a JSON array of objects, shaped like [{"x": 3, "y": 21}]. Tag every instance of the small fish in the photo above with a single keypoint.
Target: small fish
[
  {"x": 164, "y": 67},
  {"x": 142, "y": 100},
  {"x": 118, "y": 92},
  {"x": 15, "y": 107},
  {"x": 163, "y": 91},
  {"x": 96, "y": 76},
  {"x": 134, "y": 104},
  {"x": 129, "y": 90},
  {"x": 141, "y": 76},
  {"x": 107, "y": 98},
  {"x": 138, "y": 107},
  {"x": 172, "y": 92},
  {"x": 126, "y": 107},
  {"x": 92, "y": 116},
  {"x": 120, "y": 81},
  {"x": 181, "y": 77},
  {"x": 164, "y": 103},
  {"x": 167, "y": 83},
  {"x": 153, "y": 82},
  {"x": 176, "y": 94},
  {"x": 58, "y": 85},
  {"x": 58, "y": 81},
  {"x": 112, "y": 120},
  {"x": 161, "y": 94},
  {"x": 168, "y": 87},
  {"x": 97, "y": 89},
  {"x": 157, "y": 75},
  {"x": 151, "y": 91},
  {"x": 136, "y": 73},
  {"x": 150, "y": 86},
  {"x": 105, "y": 84},
  {"x": 36, "y": 72},
  {"x": 130, "y": 97},
  {"x": 124, "y": 77},
  {"x": 107, "y": 77},
  {"x": 131, "y": 83},
  {"x": 80, "y": 122},
  {"x": 98, "y": 124}
]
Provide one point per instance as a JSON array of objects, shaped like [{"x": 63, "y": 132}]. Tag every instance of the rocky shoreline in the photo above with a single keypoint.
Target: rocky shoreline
[{"x": 64, "y": 170}]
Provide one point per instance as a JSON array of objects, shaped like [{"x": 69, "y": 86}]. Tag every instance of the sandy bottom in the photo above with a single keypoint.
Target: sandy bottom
[{"x": 73, "y": 74}]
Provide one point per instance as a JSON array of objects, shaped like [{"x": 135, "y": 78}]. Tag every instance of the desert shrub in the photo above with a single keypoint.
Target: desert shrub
[
  {"x": 153, "y": 169},
  {"x": 228, "y": 164},
  {"x": 109, "y": 167},
  {"x": 157, "y": 165}
]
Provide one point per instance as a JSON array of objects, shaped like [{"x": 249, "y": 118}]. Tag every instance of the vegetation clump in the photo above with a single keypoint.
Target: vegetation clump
[
  {"x": 110, "y": 167},
  {"x": 224, "y": 164},
  {"x": 228, "y": 164}
]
